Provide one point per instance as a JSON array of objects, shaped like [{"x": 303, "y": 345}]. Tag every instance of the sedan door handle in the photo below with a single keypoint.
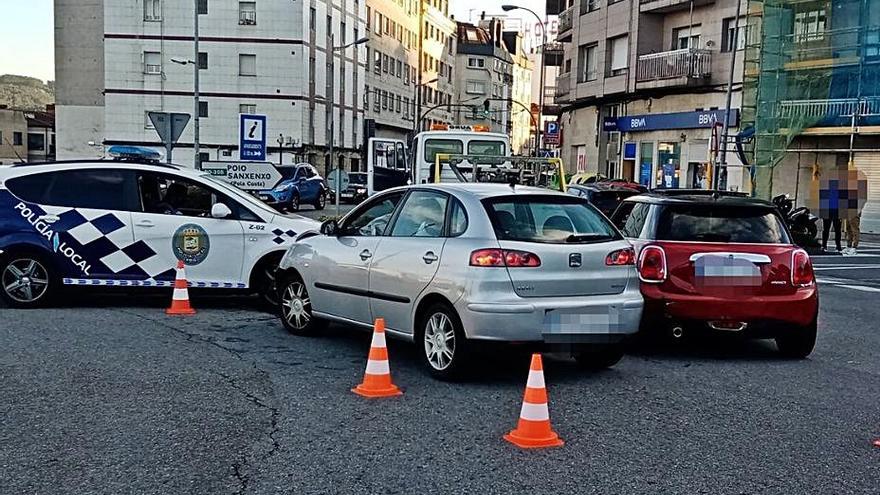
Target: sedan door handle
[
  {"x": 366, "y": 254},
  {"x": 146, "y": 224},
  {"x": 430, "y": 257},
  {"x": 49, "y": 218}
]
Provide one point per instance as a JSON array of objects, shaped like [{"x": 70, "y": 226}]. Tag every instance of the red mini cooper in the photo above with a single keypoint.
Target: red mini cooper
[{"x": 721, "y": 262}]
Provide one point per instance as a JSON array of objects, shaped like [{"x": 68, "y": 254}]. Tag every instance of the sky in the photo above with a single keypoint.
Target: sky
[
  {"x": 27, "y": 30},
  {"x": 27, "y": 37}
]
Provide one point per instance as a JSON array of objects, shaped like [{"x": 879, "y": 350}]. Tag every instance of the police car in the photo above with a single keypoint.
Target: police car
[{"x": 127, "y": 224}]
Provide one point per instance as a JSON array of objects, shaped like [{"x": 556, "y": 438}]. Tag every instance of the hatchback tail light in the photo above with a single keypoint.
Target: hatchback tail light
[
  {"x": 621, "y": 257},
  {"x": 801, "y": 269},
  {"x": 504, "y": 257},
  {"x": 652, "y": 264}
]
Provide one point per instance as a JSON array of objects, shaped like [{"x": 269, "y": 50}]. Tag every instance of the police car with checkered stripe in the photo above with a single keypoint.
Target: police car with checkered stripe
[{"x": 127, "y": 223}]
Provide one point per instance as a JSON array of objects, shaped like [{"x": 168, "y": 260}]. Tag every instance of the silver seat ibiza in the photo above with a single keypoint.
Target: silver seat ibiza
[{"x": 447, "y": 265}]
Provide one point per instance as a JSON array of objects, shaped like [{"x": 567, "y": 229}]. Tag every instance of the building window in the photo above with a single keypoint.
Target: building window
[
  {"x": 152, "y": 63},
  {"x": 247, "y": 108},
  {"x": 618, "y": 53},
  {"x": 589, "y": 6},
  {"x": 587, "y": 63},
  {"x": 385, "y": 63},
  {"x": 36, "y": 142},
  {"x": 377, "y": 62},
  {"x": 247, "y": 65},
  {"x": 203, "y": 109},
  {"x": 377, "y": 101},
  {"x": 203, "y": 7},
  {"x": 399, "y": 103},
  {"x": 152, "y": 10},
  {"x": 378, "y": 24},
  {"x": 17, "y": 138},
  {"x": 343, "y": 32},
  {"x": 399, "y": 69},
  {"x": 476, "y": 87},
  {"x": 247, "y": 13},
  {"x": 406, "y": 74},
  {"x": 733, "y": 34},
  {"x": 312, "y": 15},
  {"x": 369, "y": 17},
  {"x": 809, "y": 26},
  {"x": 384, "y": 100},
  {"x": 203, "y": 60},
  {"x": 686, "y": 37},
  {"x": 476, "y": 63}
]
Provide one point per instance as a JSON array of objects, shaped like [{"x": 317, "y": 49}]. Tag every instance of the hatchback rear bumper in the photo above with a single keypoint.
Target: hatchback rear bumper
[
  {"x": 798, "y": 309},
  {"x": 573, "y": 320}
]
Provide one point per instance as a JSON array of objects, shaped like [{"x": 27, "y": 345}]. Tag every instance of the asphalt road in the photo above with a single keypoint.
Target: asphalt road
[{"x": 108, "y": 395}]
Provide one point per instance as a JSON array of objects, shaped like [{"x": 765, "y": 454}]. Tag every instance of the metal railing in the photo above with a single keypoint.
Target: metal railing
[
  {"x": 566, "y": 20},
  {"x": 829, "y": 108},
  {"x": 687, "y": 62},
  {"x": 152, "y": 69},
  {"x": 247, "y": 18}
]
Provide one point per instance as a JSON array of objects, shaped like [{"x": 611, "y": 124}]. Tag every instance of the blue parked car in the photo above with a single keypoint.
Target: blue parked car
[{"x": 300, "y": 184}]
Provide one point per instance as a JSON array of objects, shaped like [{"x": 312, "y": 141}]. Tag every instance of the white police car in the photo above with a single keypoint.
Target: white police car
[{"x": 126, "y": 224}]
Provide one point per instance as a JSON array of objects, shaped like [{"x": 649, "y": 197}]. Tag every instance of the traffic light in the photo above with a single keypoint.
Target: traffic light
[{"x": 486, "y": 109}]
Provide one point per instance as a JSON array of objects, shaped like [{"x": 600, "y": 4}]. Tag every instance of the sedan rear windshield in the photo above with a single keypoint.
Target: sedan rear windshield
[
  {"x": 548, "y": 219},
  {"x": 715, "y": 223}
]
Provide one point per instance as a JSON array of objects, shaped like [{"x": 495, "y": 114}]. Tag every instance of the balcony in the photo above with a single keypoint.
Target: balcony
[
  {"x": 685, "y": 67},
  {"x": 566, "y": 23},
  {"x": 563, "y": 89},
  {"x": 666, "y": 6},
  {"x": 553, "y": 54},
  {"x": 829, "y": 112}
]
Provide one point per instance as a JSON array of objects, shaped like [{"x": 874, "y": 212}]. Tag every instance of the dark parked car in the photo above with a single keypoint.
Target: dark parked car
[
  {"x": 603, "y": 196},
  {"x": 300, "y": 184},
  {"x": 357, "y": 188},
  {"x": 721, "y": 262}
]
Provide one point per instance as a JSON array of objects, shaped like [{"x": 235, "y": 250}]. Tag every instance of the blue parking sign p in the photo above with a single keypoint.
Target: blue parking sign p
[{"x": 252, "y": 138}]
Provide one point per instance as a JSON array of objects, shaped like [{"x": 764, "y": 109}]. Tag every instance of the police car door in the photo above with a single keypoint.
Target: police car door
[{"x": 176, "y": 222}]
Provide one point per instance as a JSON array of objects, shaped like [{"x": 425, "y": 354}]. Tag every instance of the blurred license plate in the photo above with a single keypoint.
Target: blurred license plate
[
  {"x": 266, "y": 198},
  {"x": 347, "y": 195},
  {"x": 726, "y": 271},
  {"x": 593, "y": 320}
]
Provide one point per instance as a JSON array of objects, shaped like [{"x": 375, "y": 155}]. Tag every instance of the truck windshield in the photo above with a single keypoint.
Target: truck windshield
[
  {"x": 433, "y": 147},
  {"x": 486, "y": 148}
]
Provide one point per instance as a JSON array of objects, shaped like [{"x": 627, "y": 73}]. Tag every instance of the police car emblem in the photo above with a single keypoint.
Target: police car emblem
[{"x": 191, "y": 244}]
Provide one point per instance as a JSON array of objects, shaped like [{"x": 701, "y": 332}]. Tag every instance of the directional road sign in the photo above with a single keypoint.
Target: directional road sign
[{"x": 249, "y": 176}]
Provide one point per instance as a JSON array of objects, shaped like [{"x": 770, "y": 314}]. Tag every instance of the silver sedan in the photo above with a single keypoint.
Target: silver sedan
[{"x": 449, "y": 264}]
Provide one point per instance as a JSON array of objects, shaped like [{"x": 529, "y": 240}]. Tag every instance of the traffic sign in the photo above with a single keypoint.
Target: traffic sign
[
  {"x": 252, "y": 138},
  {"x": 169, "y": 126},
  {"x": 249, "y": 176},
  {"x": 343, "y": 184},
  {"x": 551, "y": 132}
]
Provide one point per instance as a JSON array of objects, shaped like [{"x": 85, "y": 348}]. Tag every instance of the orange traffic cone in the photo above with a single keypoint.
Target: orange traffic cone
[
  {"x": 533, "y": 429},
  {"x": 180, "y": 299},
  {"x": 377, "y": 378}
]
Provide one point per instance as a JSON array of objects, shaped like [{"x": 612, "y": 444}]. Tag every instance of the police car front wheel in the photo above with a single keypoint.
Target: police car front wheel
[{"x": 26, "y": 280}]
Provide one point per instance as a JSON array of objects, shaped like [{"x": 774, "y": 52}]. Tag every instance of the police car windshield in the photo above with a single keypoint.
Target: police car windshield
[{"x": 239, "y": 194}]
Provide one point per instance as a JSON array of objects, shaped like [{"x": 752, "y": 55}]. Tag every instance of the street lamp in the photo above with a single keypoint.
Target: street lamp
[
  {"x": 196, "y": 163},
  {"x": 331, "y": 90},
  {"x": 417, "y": 96},
  {"x": 508, "y": 8}
]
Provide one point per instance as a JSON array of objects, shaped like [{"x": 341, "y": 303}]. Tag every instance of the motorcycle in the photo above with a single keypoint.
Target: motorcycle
[{"x": 804, "y": 226}]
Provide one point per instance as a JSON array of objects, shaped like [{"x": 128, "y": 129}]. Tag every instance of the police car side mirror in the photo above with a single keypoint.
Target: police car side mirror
[
  {"x": 330, "y": 228},
  {"x": 220, "y": 210}
]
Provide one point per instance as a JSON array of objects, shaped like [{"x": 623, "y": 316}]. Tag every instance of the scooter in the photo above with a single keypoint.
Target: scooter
[{"x": 804, "y": 226}]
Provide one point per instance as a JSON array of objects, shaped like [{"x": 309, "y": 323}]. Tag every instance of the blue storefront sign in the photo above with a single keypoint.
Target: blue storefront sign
[
  {"x": 663, "y": 121},
  {"x": 252, "y": 138}
]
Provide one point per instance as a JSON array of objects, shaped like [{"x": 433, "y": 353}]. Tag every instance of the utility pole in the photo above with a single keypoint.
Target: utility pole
[
  {"x": 196, "y": 160},
  {"x": 722, "y": 161},
  {"x": 419, "y": 86}
]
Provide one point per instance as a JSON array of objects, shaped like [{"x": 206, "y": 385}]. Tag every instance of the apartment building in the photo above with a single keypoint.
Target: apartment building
[
  {"x": 643, "y": 87},
  {"x": 13, "y": 136},
  {"x": 118, "y": 60},
  {"x": 400, "y": 85},
  {"x": 484, "y": 76},
  {"x": 522, "y": 124},
  {"x": 812, "y": 95}
]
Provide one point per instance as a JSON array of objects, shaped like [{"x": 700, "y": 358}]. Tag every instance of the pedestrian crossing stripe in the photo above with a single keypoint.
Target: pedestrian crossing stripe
[{"x": 93, "y": 282}]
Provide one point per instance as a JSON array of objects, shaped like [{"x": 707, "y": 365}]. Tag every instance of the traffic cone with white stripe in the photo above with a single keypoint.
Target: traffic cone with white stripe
[
  {"x": 534, "y": 430},
  {"x": 180, "y": 299},
  {"x": 377, "y": 378}
]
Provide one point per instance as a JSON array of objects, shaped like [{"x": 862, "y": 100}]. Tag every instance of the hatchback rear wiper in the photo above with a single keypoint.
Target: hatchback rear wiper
[{"x": 587, "y": 238}]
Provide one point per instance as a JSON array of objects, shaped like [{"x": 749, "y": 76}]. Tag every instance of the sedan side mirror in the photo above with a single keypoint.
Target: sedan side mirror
[
  {"x": 330, "y": 228},
  {"x": 220, "y": 210}
]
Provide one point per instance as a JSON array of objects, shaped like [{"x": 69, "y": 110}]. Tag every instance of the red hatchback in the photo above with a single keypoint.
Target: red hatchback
[{"x": 724, "y": 263}]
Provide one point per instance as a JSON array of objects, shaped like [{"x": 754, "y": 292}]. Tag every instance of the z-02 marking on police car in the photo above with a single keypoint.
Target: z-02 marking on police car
[{"x": 44, "y": 229}]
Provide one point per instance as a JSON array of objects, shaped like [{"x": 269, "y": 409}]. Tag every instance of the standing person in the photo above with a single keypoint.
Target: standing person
[
  {"x": 857, "y": 194},
  {"x": 829, "y": 209}
]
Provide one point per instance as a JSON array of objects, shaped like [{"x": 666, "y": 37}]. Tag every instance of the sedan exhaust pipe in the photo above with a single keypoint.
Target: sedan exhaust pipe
[{"x": 677, "y": 332}]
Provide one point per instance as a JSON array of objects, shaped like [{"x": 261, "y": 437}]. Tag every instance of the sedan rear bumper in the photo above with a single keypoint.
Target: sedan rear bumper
[{"x": 571, "y": 320}]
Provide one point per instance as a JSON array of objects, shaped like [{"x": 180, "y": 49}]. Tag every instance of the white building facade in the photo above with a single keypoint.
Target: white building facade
[{"x": 265, "y": 57}]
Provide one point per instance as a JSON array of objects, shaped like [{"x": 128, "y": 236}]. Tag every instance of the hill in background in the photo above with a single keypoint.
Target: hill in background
[{"x": 26, "y": 93}]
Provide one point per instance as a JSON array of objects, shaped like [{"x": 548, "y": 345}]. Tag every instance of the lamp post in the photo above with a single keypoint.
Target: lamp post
[
  {"x": 417, "y": 92},
  {"x": 330, "y": 99},
  {"x": 196, "y": 162},
  {"x": 508, "y": 8}
]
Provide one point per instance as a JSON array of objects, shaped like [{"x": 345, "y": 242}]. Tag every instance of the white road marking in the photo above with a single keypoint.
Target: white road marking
[
  {"x": 860, "y": 287},
  {"x": 825, "y": 268}
]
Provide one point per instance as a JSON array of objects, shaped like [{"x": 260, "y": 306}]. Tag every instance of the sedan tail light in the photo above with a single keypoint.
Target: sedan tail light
[
  {"x": 801, "y": 269},
  {"x": 652, "y": 264},
  {"x": 621, "y": 257},
  {"x": 504, "y": 257}
]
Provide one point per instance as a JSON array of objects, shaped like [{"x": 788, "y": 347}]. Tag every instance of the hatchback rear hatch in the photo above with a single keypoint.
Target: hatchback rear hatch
[
  {"x": 558, "y": 245},
  {"x": 725, "y": 250}
]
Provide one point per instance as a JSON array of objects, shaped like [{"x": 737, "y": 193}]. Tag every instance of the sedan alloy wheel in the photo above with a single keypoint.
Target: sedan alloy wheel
[
  {"x": 439, "y": 341},
  {"x": 25, "y": 280}
]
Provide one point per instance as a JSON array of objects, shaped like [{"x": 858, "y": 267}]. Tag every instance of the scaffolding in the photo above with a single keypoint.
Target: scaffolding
[{"x": 809, "y": 64}]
